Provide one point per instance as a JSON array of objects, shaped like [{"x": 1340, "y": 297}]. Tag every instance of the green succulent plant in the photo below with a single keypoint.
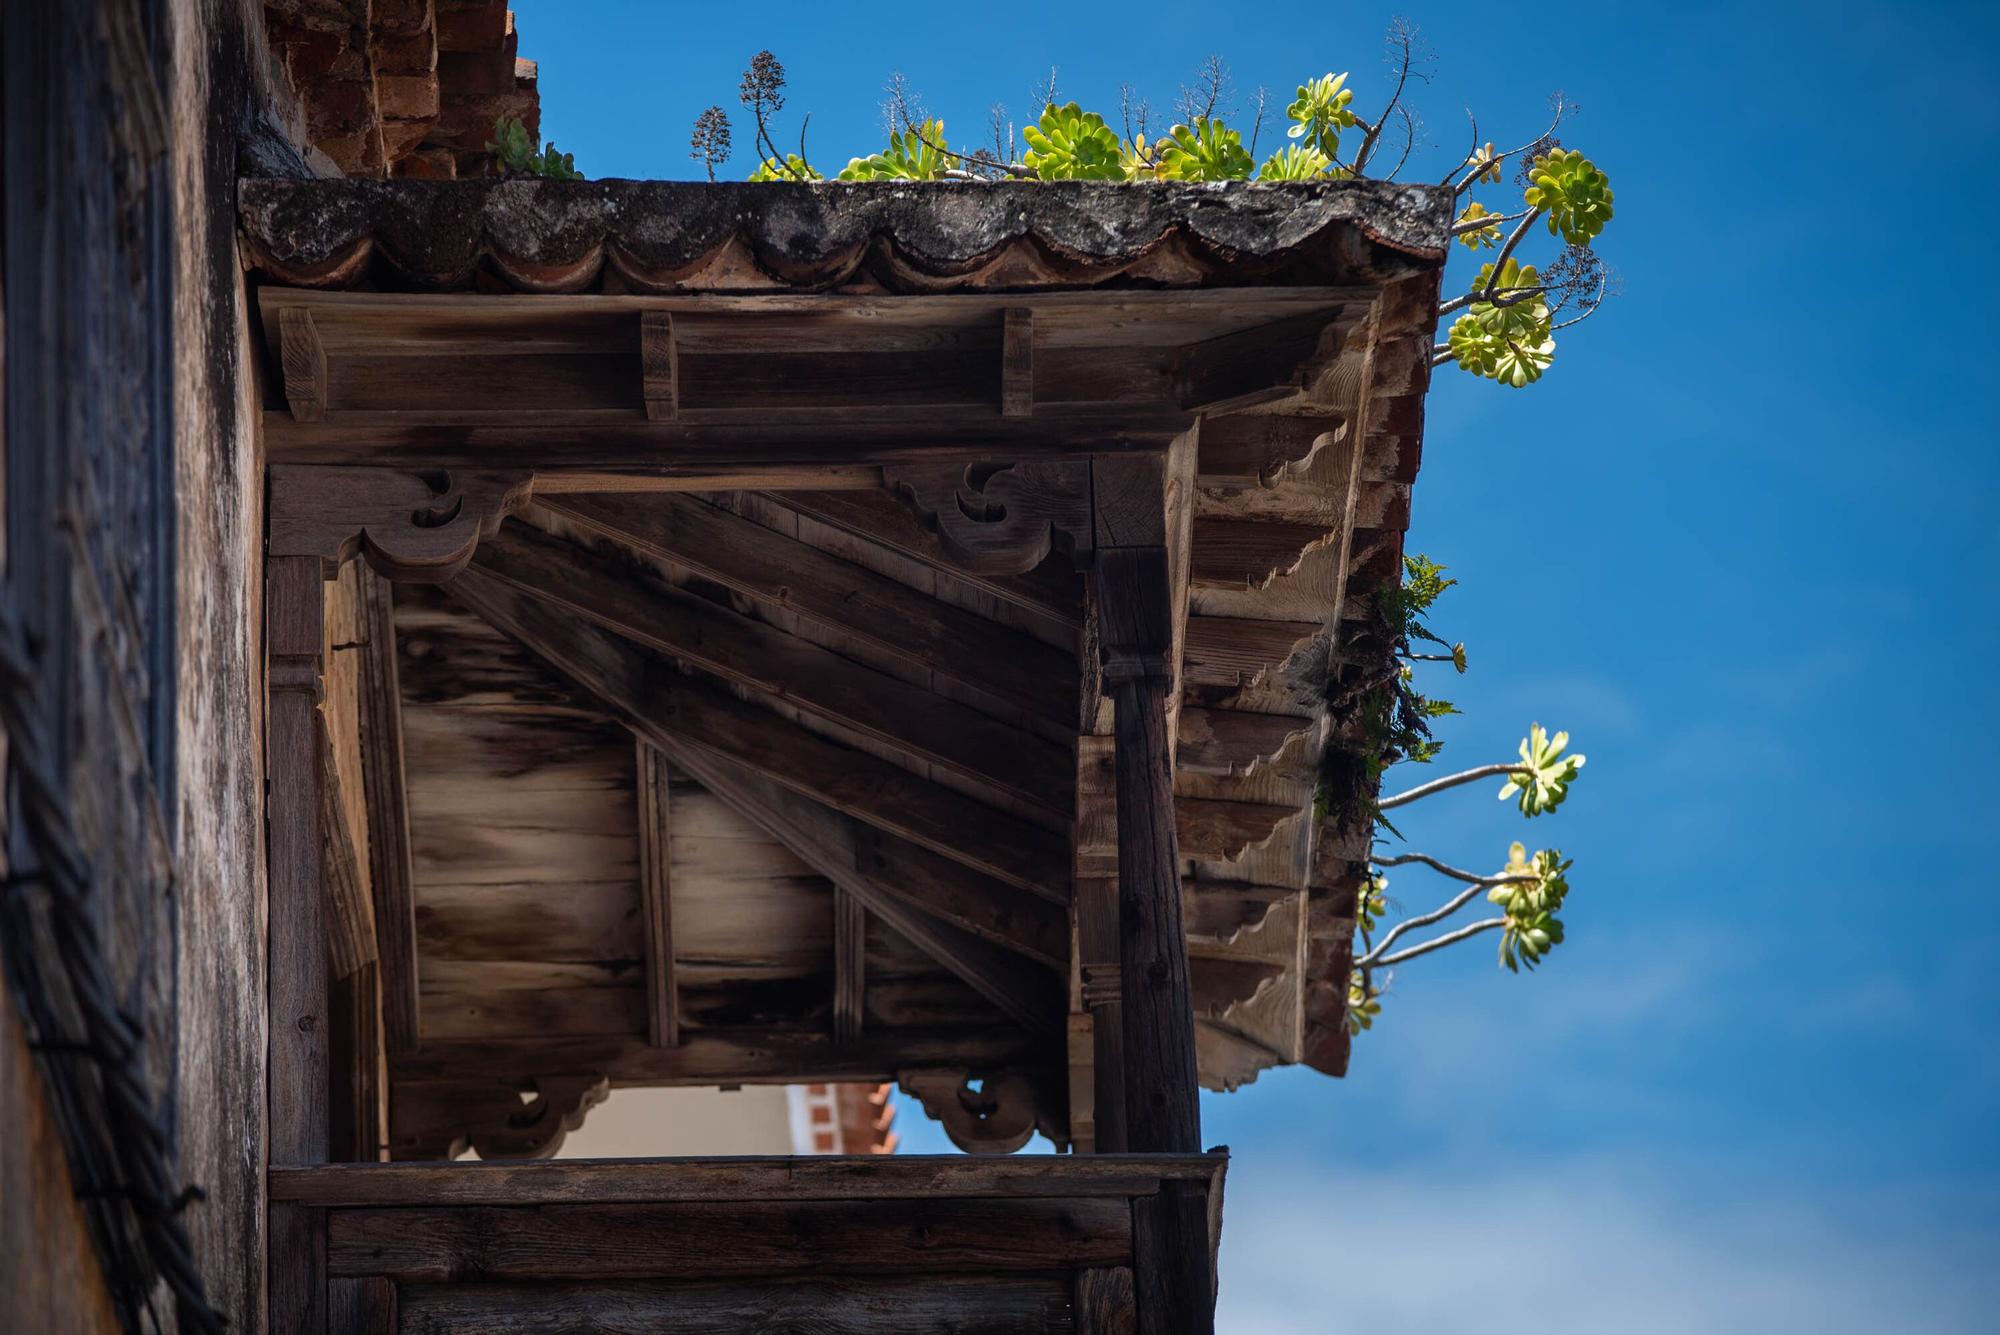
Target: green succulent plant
[
  {"x": 1296, "y": 162},
  {"x": 1208, "y": 150},
  {"x": 1575, "y": 195},
  {"x": 1509, "y": 339},
  {"x": 1373, "y": 903},
  {"x": 1071, "y": 144},
  {"x": 794, "y": 168},
  {"x": 1483, "y": 237},
  {"x": 913, "y": 154},
  {"x": 1320, "y": 112},
  {"x": 1363, "y": 1004},
  {"x": 1530, "y": 907},
  {"x": 516, "y": 152},
  {"x": 1543, "y": 780}
]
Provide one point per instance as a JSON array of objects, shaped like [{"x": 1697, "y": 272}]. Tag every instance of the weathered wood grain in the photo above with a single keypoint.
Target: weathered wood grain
[
  {"x": 850, "y": 976},
  {"x": 1104, "y": 1301},
  {"x": 703, "y": 1239},
  {"x": 362, "y": 1307},
  {"x": 742, "y": 1055},
  {"x": 378, "y": 696},
  {"x": 297, "y": 972},
  {"x": 655, "y": 818},
  {"x": 928, "y": 728},
  {"x": 932, "y": 1305}
]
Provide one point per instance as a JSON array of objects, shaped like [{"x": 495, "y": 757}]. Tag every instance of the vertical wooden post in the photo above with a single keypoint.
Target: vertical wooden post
[
  {"x": 296, "y": 976},
  {"x": 1134, "y": 604}
]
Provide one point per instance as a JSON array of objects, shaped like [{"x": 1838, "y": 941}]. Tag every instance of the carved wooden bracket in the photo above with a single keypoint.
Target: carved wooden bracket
[
  {"x": 415, "y": 527},
  {"x": 1000, "y": 518},
  {"x": 998, "y": 1117},
  {"x": 443, "y": 1120}
]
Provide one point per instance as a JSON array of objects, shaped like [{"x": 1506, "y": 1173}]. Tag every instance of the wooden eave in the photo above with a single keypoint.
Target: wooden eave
[{"x": 527, "y": 369}]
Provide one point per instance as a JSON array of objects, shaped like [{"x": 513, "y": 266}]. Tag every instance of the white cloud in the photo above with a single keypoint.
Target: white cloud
[{"x": 1581, "y": 1248}]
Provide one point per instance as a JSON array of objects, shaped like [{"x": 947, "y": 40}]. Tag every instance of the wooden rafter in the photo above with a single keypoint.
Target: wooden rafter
[
  {"x": 829, "y": 843},
  {"x": 655, "y": 820},
  {"x": 1052, "y": 590},
  {"x": 850, "y": 964},
  {"x": 783, "y": 667},
  {"x": 739, "y": 554},
  {"x": 704, "y": 733},
  {"x": 673, "y": 711}
]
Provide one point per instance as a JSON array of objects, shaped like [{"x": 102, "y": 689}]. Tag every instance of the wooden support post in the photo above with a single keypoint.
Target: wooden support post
[
  {"x": 1101, "y": 993},
  {"x": 656, "y": 894},
  {"x": 389, "y": 873},
  {"x": 1172, "y": 1262},
  {"x": 296, "y": 960}
]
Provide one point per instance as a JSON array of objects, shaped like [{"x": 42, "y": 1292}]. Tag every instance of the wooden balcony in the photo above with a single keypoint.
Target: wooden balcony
[{"x": 978, "y": 1245}]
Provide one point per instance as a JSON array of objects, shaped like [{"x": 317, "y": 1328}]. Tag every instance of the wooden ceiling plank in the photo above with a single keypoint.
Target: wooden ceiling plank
[
  {"x": 764, "y": 659},
  {"x": 674, "y": 711},
  {"x": 769, "y": 567}
]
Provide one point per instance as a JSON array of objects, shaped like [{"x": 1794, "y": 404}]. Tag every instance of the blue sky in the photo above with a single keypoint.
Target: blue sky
[{"x": 1740, "y": 543}]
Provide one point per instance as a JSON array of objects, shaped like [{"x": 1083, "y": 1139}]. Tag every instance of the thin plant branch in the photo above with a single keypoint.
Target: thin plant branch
[
  {"x": 1451, "y": 938},
  {"x": 1448, "y": 781}
]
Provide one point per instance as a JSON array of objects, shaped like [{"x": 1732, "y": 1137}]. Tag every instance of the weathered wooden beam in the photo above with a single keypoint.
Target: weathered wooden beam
[
  {"x": 624, "y": 442},
  {"x": 1222, "y": 831},
  {"x": 1052, "y": 590},
  {"x": 850, "y": 964},
  {"x": 726, "y": 1057},
  {"x": 655, "y": 819},
  {"x": 380, "y": 701},
  {"x": 709, "y": 1239},
  {"x": 657, "y": 365},
  {"x": 1017, "y": 362},
  {"x": 303, "y": 359},
  {"x": 296, "y": 965},
  {"x": 880, "y": 1305},
  {"x": 928, "y": 727},
  {"x": 1228, "y": 742},
  {"x": 774, "y": 1178},
  {"x": 783, "y": 572},
  {"x": 1258, "y": 364},
  {"x": 1257, "y": 450},
  {"x": 676, "y": 712}
]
